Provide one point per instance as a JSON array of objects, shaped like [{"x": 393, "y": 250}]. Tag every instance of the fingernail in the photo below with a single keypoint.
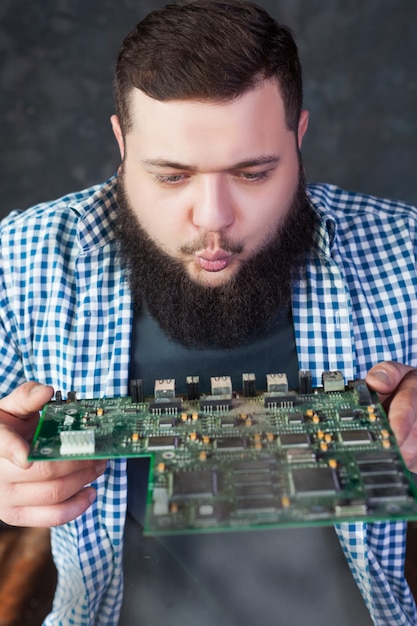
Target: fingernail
[
  {"x": 382, "y": 376},
  {"x": 92, "y": 495}
]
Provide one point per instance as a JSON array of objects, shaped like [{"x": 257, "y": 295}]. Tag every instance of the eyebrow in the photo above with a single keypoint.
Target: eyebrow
[{"x": 247, "y": 163}]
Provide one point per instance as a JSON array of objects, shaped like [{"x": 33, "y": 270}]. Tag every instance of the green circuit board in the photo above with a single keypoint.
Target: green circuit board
[{"x": 248, "y": 460}]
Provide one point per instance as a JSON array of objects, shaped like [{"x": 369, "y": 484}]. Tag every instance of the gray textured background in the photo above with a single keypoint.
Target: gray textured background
[{"x": 56, "y": 65}]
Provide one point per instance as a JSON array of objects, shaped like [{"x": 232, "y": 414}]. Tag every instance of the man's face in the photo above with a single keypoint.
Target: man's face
[{"x": 210, "y": 182}]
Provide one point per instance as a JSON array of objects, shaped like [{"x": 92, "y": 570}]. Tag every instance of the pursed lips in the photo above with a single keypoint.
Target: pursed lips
[{"x": 213, "y": 261}]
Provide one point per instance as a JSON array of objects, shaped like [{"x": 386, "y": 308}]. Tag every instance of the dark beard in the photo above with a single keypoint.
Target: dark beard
[{"x": 224, "y": 316}]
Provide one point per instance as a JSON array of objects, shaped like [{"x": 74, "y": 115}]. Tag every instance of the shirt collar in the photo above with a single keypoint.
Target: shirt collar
[
  {"x": 325, "y": 228},
  {"x": 97, "y": 214}
]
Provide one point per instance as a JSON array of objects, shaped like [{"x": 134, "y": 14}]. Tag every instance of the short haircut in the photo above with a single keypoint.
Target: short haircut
[{"x": 207, "y": 50}]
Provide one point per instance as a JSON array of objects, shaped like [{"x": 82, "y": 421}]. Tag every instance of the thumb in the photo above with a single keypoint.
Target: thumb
[
  {"x": 24, "y": 401},
  {"x": 386, "y": 376},
  {"x": 19, "y": 413}
]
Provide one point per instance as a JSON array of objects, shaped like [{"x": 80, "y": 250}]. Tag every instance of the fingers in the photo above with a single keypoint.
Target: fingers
[
  {"x": 13, "y": 448},
  {"x": 41, "y": 493},
  {"x": 52, "y": 471},
  {"x": 47, "y": 494},
  {"x": 396, "y": 385},
  {"x": 50, "y": 515},
  {"x": 403, "y": 416},
  {"x": 385, "y": 377},
  {"x": 20, "y": 412},
  {"x": 26, "y": 400}
]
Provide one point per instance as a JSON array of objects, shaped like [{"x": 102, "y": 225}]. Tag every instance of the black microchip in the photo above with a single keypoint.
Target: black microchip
[
  {"x": 280, "y": 401},
  {"x": 216, "y": 404},
  {"x": 231, "y": 443},
  {"x": 162, "y": 406},
  {"x": 377, "y": 495},
  {"x": 353, "y": 437},
  {"x": 349, "y": 415},
  {"x": 375, "y": 455},
  {"x": 379, "y": 467},
  {"x": 253, "y": 465},
  {"x": 228, "y": 421},
  {"x": 253, "y": 472},
  {"x": 165, "y": 421},
  {"x": 295, "y": 418},
  {"x": 196, "y": 484},
  {"x": 252, "y": 478},
  {"x": 256, "y": 505},
  {"x": 248, "y": 490},
  {"x": 315, "y": 481},
  {"x": 370, "y": 480},
  {"x": 163, "y": 442},
  {"x": 294, "y": 440}
]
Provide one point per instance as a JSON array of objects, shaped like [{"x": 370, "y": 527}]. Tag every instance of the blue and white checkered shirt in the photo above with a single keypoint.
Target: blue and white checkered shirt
[{"x": 66, "y": 318}]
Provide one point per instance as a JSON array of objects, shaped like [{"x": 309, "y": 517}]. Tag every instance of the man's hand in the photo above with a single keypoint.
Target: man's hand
[
  {"x": 396, "y": 385},
  {"x": 45, "y": 493}
]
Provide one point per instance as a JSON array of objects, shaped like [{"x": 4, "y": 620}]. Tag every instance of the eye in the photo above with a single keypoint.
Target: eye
[
  {"x": 169, "y": 179},
  {"x": 253, "y": 177}
]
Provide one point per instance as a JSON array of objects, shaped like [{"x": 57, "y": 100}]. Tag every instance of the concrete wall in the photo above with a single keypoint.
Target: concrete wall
[{"x": 56, "y": 66}]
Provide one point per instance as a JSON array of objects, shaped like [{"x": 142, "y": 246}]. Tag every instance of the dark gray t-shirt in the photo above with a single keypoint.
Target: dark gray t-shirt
[{"x": 287, "y": 577}]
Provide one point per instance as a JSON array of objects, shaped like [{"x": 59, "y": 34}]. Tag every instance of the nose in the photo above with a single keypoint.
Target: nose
[{"x": 213, "y": 207}]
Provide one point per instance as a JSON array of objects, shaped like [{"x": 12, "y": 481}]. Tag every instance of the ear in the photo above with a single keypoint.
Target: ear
[
  {"x": 302, "y": 126},
  {"x": 115, "y": 124}
]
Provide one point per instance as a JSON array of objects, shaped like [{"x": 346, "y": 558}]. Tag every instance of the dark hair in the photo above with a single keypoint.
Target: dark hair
[{"x": 208, "y": 50}]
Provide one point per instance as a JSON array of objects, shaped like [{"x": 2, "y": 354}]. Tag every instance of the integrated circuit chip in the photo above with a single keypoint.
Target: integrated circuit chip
[
  {"x": 256, "y": 505},
  {"x": 354, "y": 437},
  {"x": 162, "y": 442},
  {"x": 317, "y": 481},
  {"x": 196, "y": 484},
  {"x": 230, "y": 443},
  {"x": 294, "y": 440}
]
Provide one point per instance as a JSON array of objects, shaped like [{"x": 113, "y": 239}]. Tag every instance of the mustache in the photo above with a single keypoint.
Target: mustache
[{"x": 226, "y": 244}]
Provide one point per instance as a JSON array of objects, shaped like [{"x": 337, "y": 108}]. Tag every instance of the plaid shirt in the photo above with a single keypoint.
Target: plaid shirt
[{"x": 66, "y": 318}]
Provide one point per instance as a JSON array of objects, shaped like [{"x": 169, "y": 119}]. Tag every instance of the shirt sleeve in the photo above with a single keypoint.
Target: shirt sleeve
[
  {"x": 12, "y": 371},
  {"x": 376, "y": 554}
]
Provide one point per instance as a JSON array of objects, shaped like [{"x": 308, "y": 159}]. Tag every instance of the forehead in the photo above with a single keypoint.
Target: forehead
[{"x": 255, "y": 118}]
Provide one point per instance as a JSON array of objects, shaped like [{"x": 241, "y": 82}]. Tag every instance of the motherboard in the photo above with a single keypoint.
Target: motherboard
[{"x": 228, "y": 460}]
